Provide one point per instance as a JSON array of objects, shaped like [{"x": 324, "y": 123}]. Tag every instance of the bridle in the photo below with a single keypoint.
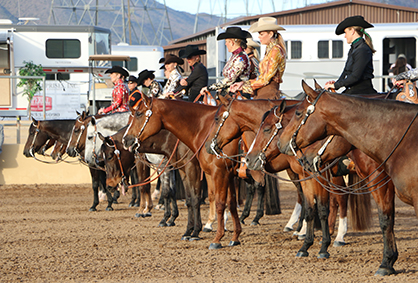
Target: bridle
[
  {"x": 31, "y": 149},
  {"x": 82, "y": 128},
  {"x": 213, "y": 144},
  {"x": 117, "y": 153},
  {"x": 148, "y": 114}
]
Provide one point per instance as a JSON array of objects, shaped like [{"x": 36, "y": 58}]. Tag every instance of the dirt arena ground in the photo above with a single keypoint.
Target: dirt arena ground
[{"x": 47, "y": 234}]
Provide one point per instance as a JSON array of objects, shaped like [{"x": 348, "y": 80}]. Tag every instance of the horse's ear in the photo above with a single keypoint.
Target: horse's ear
[
  {"x": 224, "y": 100},
  {"x": 147, "y": 100},
  {"x": 101, "y": 136},
  {"x": 93, "y": 121},
  {"x": 34, "y": 121},
  {"x": 78, "y": 113},
  {"x": 317, "y": 86},
  {"x": 83, "y": 115},
  {"x": 309, "y": 91},
  {"x": 282, "y": 106}
]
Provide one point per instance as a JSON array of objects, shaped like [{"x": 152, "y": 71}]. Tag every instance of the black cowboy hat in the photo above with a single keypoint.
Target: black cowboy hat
[
  {"x": 191, "y": 50},
  {"x": 143, "y": 75},
  {"x": 353, "y": 21},
  {"x": 118, "y": 69},
  {"x": 132, "y": 79},
  {"x": 171, "y": 58},
  {"x": 234, "y": 32}
]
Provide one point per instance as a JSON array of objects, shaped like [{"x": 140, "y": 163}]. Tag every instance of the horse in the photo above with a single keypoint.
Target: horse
[
  {"x": 245, "y": 116},
  {"x": 363, "y": 123},
  {"x": 41, "y": 132},
  {"x": 162, "y": 143},
  {"x": 191, "y": 123}
]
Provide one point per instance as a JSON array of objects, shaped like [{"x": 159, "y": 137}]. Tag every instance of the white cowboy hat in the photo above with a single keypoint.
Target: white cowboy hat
[
  {"x": 252, "y": 43},
  {"x": 265, "y": 23}
]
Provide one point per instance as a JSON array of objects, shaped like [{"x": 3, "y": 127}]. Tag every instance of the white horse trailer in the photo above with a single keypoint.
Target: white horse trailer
[
  {"x": 314, "y": 51},
  {"x": 63, "y": 52}
]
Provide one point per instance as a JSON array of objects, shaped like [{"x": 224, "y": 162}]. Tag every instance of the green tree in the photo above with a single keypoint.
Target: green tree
[{"x": 30, "y": 86}]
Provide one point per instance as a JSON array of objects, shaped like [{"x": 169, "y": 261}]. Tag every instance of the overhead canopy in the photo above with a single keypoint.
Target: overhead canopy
[{"x": 108, "y": 57}]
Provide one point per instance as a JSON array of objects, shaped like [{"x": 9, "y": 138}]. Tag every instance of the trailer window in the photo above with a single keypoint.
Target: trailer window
[
  {"x": 296, "y": 49},
  {"x": 63, "y": 48},
  {"x": 131, "y": 65},
  {"x": 323, "y": 49},
  {"x": 337, "y": 49}
]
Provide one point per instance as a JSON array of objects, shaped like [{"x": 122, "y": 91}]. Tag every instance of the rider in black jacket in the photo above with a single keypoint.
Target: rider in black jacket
[{"x": 358, "y": 71}]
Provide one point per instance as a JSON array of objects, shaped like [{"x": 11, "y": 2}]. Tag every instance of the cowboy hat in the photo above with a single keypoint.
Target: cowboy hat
[
  {"x": 252, "y": 43},
  {"x": 143, "y": 75},
  {"x": 171, "y": 58},
  {"x": 233, "y": 32},
  {"x": 353, "y": 21},
  {"x": 190, "y": 51},
  {"x": 118, "y": 69},
  {"x": 265, "y": 23},
  {"x": 132, "y": 79}
]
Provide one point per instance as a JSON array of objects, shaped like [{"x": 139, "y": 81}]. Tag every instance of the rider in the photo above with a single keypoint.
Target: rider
[
  {"x": 237, "y": 68},
  {"x": 120, "y": 91},
  {"x": 172, "y": 69},
  {"x": 198, "y": 78},
  {"x": 273, "y": 64},
  {"x": 147, "y": 78},
  {"x": 358, "y": 71}
]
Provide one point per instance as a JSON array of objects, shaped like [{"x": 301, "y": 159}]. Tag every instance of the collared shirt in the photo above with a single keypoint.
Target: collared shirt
[
  {"x": 236, "y": 69},
  {"x": 120, "y": 95},
  {"x": 197, "y": 79},
  {"x": 172, "y": 82},
  {"x": 271, "y": 67},
  {"x": 155, "y": 89}
]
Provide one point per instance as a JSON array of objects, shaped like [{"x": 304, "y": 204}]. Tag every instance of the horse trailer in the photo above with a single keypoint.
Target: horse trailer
[{"x": 315, "y": 51}]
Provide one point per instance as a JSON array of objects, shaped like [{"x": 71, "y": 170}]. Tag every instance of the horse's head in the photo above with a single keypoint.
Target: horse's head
[
  {"x": 263, "y": 148},
  {"x": 36, "y": 139},
  {"x": 58, "y": 151},
  {"x": 306, "y": 125},
  {"x": 78, "y": 135},
  {"x": 143, "y": 123}
]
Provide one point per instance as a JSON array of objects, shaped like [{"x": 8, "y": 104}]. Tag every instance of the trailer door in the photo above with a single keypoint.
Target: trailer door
[{"x": 5, "y": 92}]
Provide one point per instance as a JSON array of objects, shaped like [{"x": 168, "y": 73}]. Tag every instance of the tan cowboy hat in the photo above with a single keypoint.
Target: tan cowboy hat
[
  {"x": 252, "y": 43},
  {"x": 265, "y": 23}
]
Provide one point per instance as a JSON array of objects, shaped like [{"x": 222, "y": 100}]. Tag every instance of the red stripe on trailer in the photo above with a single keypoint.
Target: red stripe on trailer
[
  {"x": 63, "y": 70},
  {"x": 47, "y": 70},
  {"x": 78, "y": 71}
]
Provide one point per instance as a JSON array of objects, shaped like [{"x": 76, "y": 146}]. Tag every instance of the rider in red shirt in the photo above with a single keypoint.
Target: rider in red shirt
[{"x": 120, "y": 93}]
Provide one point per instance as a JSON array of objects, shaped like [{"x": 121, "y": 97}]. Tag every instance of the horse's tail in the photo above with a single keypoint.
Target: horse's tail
[{"x": 359, "y": 213}]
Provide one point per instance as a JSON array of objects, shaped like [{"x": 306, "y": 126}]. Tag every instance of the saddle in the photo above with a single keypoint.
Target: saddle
[{"x": 408, "y": 94}]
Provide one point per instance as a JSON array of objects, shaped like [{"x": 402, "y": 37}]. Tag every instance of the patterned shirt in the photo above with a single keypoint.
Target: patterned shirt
[
  {"x": 120, "y": 96},
  {"x": 271, "y": 68},
  {"x": 172, "y": 83},
  {"x": 155, "y": 89},
  {"x": 236, "y": 69}
]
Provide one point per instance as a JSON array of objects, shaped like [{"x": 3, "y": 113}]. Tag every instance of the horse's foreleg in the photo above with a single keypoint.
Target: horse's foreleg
[
  {"x": 173, "y": 199},
  {"x": 95, "y": 186},
  {"x": 323, "y": 212},
  {"x": 212, "y": 206},
  {"x": 232, "y": 204},
  {"x": 293, "y": 218},
  {"x": 248, "y": 201},
  {"x": 310, "y": 210},
  {"x": 261, "y": 190}
]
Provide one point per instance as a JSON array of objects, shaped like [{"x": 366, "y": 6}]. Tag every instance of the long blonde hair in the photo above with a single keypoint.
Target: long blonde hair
[
  {"x": 367, "y": 37},
  {"x": 280, "y": 40}
]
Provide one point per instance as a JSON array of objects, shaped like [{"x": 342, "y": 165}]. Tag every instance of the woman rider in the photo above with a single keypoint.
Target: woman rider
[
  {"x": 273, "y": 64},
  {"x": 198, "y": 78},
  {"x": 120, "y": 92},
  {"x": 172, "y": 69},
  {"x": 146, "y": 78},
  {"x": 237, "y": 68},
  {"x": 358, "y": 71}
]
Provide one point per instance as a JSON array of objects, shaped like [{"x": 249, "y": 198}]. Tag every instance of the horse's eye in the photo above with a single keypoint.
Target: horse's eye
[
  {"x": 267, "y": 130},
  {"x": 298, "y": 113},
  {"x": 76, "y": 130},
  {"x": 110, "y": 156},
  {"x": 216, "y": 119},
  {"x": 138, "y": 114},
  {"x": 89, "y": 137}
]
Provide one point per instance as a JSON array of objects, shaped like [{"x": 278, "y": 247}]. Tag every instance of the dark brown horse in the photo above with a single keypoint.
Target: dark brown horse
[
  {"x": 191, "y": 123},
  {"x": 162, "y": 143},
  {"x": 367, "y": 124}
]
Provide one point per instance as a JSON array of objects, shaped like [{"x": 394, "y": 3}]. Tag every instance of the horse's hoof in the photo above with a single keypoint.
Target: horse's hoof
[
  {"x": 195, "y": 238},
  {"x": 323, "y": 255},
  {"x": 339, "y": 244},
  {"x": 255, "y": 223},
  {"x": 138, "y": 215},
  {"x": 92, "y": 209},
  {"x": 162, "y": 224},
  {"x": 301, "y": 237},
  {"x": 109, "y": 208},
  {"x": 131, "y": 205},
  {"x": 207, "y": 230},
  {"x": 234, "y": 243},
  {"x": 171, "y": 224},
  {"x": 115, "y": 201},
  {"x": 136, "y": 205},
  {"x": 215, "y": 246},
  {"x": 185, "y": 238},
  {"x": 302, "y": 254},
  {"x": 148, "y": 214},
  {"x": 242, "y": 222},
  {"x": 385, "y": 271},
  {"x": 287, "y": 229}
]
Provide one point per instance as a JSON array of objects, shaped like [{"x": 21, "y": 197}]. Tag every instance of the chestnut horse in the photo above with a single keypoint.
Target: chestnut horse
[
  {"x": 162, "y": 143},
  {"x": 191, "y": 123},
  {"x": 364, "y": 123}
]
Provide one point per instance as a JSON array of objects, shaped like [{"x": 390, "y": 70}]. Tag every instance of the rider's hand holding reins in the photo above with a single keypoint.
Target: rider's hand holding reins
[{"x": 329, "y": 85}]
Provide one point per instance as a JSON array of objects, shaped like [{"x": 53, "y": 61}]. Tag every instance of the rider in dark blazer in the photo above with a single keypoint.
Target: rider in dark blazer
[
  {"x": 358, "y": 71},
  {"x": 198, "y": 78}
]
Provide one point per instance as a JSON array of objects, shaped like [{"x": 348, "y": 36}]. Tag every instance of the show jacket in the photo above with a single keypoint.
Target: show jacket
[
  {"x": 120, "y": 95},
  {"x": 198, "y": 78}
]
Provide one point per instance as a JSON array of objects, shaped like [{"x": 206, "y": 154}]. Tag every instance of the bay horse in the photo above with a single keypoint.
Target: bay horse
[
  {"x": 246, "y": 116},
  {"x": 162, "y": 143},
  {"x": 41, "y": 132},
  {"x": 191, "y": 123},
  {"x": 363, "y": 122}
]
